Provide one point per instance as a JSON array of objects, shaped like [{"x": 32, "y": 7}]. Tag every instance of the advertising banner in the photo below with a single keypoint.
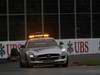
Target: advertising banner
[
  {"x": 73, "y": 46},
  {"x": 81, "y": 46},
  {"x": 6, "y": 46}
]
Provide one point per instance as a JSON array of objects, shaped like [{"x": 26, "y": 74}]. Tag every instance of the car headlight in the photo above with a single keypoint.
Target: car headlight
[
  {"x": 63, "y": 50},
  {"x": 31, "y": 56}
]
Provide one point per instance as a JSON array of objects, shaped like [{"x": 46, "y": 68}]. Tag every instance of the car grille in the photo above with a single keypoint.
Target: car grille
[{"x": 47, "y": 57}]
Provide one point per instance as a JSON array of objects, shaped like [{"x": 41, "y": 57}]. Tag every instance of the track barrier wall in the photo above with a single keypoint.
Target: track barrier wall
[{"x": 80, "y": 51}]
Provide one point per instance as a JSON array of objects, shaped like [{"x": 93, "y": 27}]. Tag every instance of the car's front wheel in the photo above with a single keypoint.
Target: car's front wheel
[
  {"x": 21, "y": 64},
  {"x": 65, "y": 64},
  {"x": 25, "y": 64},
  {"x": 29, "y": 65}
]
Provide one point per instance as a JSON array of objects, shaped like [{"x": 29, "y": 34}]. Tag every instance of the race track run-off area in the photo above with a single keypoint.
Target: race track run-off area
[{"x": 12, "y": 68}]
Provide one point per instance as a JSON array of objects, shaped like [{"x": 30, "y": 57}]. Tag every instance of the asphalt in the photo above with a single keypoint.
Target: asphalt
[{"x": 12, "y": 68}]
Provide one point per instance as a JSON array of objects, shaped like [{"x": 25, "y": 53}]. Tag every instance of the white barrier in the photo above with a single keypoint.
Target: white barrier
[
  {"x": 82, "y": 46},
  {"x": 73, "y": 46},
  {"x": 6, "y": 46}
]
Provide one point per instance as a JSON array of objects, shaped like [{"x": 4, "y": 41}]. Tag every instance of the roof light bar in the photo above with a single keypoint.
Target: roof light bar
[{"x": 39, "y": 36}]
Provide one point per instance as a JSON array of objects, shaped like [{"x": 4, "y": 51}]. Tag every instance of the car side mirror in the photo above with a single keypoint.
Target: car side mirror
[
  {"x": 61, "y": 43},
  {"x": 2, "y": 46},
  {"x": 22, "y": 46}
]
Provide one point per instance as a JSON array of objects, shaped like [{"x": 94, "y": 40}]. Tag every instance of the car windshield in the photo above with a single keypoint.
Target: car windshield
[{"x": 41, "y": 43}]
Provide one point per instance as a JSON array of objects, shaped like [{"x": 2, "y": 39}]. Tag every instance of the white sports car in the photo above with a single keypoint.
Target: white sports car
[{"x": 42, "y": 51}]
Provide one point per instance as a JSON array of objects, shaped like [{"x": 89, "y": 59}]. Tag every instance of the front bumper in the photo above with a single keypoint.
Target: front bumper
[
  {"x": 48, "y": 59},
  {"x": 59, "y": 61}
]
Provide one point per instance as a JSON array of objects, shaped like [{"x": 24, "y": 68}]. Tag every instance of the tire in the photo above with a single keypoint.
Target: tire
[
  {"x": 29, "y": 65},
  {"x": 21, "y": 64},
  {"x": 56, "y": 65},
  {"x": 26, "y": 64},
  {"x": 66, "y": 64}
]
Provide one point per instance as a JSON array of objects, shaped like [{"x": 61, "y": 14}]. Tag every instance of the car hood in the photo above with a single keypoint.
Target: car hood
[{"x": 45, "y": 50}]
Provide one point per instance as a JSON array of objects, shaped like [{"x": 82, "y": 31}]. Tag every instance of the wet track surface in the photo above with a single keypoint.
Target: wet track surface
[{"x": 14, "y": 69}]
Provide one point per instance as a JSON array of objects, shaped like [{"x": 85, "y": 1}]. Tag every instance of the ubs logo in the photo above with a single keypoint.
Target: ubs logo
[
  {"x": 70, "y": 47},
  {"x": 77, "y": 47}
]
